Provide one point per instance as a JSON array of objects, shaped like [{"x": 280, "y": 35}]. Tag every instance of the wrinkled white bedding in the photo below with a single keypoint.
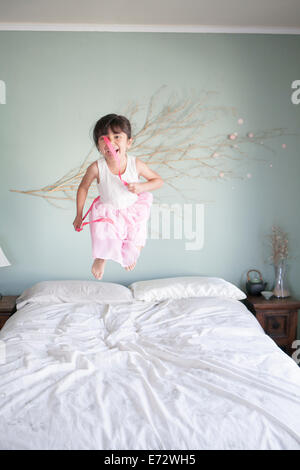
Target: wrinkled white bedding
[{"x": 193, "y": 373}]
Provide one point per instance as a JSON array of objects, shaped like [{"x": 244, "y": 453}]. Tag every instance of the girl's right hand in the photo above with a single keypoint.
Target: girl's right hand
[{"x": 77, "y": 222}]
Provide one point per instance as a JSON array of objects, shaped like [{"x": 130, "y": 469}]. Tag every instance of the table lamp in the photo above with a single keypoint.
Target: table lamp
[{"x": 3, "y": 262}]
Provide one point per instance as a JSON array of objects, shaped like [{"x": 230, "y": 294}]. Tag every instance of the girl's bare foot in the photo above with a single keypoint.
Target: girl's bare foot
[
  {"x": 132, "y": 266},
  {"x": 98, "y": 268}
]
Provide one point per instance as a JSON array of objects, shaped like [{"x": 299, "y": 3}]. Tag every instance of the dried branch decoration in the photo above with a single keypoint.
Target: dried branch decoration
[
  {"x": 171, "y": 141},
  {"x": 279, "y": 244}
]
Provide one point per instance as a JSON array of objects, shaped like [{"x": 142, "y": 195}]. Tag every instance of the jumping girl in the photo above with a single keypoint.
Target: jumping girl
[{"x": 118, "y": 218}]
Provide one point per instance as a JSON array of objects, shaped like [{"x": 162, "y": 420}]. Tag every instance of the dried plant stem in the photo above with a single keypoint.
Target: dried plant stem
[
  {"x": 279, "y": 244},
  {"x": 169, "y": 140}
]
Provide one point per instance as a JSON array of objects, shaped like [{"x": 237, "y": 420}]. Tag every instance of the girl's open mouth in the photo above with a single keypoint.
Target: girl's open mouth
[{"x": 112, "y": 153}]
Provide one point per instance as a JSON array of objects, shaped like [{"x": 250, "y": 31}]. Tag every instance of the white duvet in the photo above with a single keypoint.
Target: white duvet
[{"x": 181, "y": 374}]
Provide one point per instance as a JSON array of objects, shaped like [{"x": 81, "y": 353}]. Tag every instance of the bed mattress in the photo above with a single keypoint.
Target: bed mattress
[{"x": 195, "y": 373}]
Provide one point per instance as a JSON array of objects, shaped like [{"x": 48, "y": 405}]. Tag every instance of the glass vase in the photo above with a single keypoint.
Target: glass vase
[{"x": 281, "y": 289}]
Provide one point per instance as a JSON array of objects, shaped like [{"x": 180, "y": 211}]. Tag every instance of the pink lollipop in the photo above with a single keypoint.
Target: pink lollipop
[{"x": 111, "y": 148}]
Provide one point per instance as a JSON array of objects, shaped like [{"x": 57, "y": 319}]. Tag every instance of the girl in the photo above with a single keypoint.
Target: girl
[{"x": 124, "y": 203}]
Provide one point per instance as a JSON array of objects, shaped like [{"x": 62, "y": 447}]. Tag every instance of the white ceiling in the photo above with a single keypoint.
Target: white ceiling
[{"x": 160, "y": 15}]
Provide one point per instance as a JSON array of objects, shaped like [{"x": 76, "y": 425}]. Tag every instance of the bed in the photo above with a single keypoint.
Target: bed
[{"x": 92, "y": 365}]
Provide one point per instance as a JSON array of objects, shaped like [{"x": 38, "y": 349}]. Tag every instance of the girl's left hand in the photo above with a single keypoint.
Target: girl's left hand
[{"x": 135, "y": 188}]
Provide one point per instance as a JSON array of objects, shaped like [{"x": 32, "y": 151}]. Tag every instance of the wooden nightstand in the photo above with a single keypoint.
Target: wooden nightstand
[
  {"x": 278, "y": 317},
  {"x": 7, "y": 308}
]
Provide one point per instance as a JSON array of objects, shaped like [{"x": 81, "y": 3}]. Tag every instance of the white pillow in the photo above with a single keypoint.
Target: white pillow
[
  {"x": 74, "y": 291},
  {"x": 184, "y": 287}
]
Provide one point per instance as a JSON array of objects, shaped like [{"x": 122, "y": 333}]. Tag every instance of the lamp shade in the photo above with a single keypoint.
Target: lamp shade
[{"x": 3, "y": 260}]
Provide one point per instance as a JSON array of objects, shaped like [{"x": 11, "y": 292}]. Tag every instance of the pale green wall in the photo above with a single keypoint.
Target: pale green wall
[{"x": 59, "y": 84}]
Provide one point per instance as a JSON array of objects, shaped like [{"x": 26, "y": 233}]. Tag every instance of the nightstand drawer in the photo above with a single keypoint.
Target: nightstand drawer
[
  {"x": 277, "y": 325},
  {"x": 279, "y": 319},
  {"x": 7, "y": 308},
  {"x": 3, "y": 319}
]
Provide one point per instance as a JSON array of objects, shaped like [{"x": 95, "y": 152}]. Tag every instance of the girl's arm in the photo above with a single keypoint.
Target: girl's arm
[
  {"x": 154, "y": 181},
  {"x": 83, "y": 188}
]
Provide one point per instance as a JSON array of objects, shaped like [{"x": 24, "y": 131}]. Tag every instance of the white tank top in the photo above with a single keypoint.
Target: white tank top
[{"x": 111, "y": 189}]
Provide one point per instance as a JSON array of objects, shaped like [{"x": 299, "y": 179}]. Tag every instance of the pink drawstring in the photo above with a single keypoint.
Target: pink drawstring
[{"x": 102, "y": 219}]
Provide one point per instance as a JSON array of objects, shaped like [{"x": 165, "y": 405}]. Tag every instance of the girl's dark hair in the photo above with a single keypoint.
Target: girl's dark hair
[{"x": 115, "y": 122}]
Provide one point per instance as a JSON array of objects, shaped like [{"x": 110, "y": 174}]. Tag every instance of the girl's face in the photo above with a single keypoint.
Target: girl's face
[{"x": 119, "y": 141}]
